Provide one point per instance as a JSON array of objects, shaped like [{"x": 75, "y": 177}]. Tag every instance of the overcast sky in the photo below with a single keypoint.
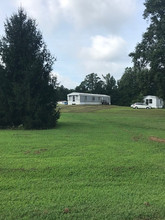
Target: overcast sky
[{"x": 85, "y": 36}]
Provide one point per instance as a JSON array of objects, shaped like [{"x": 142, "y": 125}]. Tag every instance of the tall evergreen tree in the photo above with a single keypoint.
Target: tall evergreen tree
[
  {"x": 28, "y": 96},
  {"x": 150, "y": 53}
]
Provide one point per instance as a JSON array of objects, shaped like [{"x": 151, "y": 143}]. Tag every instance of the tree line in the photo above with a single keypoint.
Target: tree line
[
  {"x": 93, "y": 84},
  {"x": 29, "y": 93},
  {"x": 147, "y": 76}
]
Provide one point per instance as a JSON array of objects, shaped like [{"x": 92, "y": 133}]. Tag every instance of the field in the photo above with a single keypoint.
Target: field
[{"x": 100, "y": 162}]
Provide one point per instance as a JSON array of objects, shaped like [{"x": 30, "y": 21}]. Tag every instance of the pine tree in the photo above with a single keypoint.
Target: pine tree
[{"x": 28, "y": 96}]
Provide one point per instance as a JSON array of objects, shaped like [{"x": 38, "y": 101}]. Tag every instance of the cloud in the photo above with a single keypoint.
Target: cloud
[
  {"x": 107, "y": 48},
  {"x": 47, "y": 13},
  {"x": 111, "y": 14},
  {"x": 65, "y": 81},
  {"x": 106, "y": 54},
  {"x": 89, "y": 36},
  {"x": 104, "y": 67}
]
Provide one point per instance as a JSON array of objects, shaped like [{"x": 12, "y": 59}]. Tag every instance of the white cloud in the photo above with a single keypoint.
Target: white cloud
[
  {"x": 101, "y": 13},
  {"x": 104, "y": 67},
  {"x": 107, "y": 48},
  {"x": 106, "y": 54},
  {"x": 68, "y": 27},
  {"x": 47, "y": 12},
  {"x": 65, "y": 81},
  {"x": 111, "y": 14}
]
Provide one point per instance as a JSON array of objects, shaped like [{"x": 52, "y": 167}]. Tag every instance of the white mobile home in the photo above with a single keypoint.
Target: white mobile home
[
  {"x": 76, "y": 98},
  {"x": 153, "y": 101}
]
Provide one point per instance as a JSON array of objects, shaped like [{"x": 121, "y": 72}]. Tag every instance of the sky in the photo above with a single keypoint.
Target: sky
[{"x": 85, "y": 36}]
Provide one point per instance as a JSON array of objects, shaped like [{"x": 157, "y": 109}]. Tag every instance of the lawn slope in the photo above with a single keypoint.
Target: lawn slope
[{"x": 100, "y": 162}]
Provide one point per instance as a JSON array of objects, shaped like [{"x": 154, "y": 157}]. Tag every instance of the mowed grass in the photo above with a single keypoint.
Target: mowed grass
[{"x": 100, "y": 162}]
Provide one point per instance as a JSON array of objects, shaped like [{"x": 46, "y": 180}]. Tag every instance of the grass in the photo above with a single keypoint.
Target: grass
[{"x": 99, "y": 163}]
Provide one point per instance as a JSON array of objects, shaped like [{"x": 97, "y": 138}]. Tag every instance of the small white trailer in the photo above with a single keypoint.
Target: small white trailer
[
  {"x": 76, "y": 98},
  {"x": 153, "y": 101}
]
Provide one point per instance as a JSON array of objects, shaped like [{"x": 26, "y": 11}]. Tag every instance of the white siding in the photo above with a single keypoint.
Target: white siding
[
  {"x": 153, "y": 101},
  {"x": 87, "y": 99}
]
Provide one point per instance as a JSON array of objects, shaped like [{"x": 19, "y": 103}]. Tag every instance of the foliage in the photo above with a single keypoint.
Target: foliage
[
  {"x": 110, "y": 88},
  {"x": 94, "y": 84},
  {"x": 100, "y": 163},
  {"x": 27, "y": 95},
  {"x": 149, "y": 54},
  {"x": 62, "y": 93},
  {"x": 147, "y": 76},
  {"x": 109, "y": 84},
  {"x": 128, "y": 88},
  {"x": 134, "y": 85}
]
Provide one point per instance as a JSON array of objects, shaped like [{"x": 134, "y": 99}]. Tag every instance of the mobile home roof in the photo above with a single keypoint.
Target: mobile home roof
[{"x": 87, "y": 94}]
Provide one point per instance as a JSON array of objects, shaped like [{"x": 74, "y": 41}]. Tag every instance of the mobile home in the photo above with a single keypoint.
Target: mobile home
[
  {"x": 76, "y": 98},
  {"x": 153, "y": 101}
]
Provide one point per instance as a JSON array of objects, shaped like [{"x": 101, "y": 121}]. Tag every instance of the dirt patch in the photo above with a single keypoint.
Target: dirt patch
[
  {"x": 66, "y": 210},
  {"x": 43, "y": 149},
  {"x": 156, "y": 139},
  {"x": 137, "y": 138},
  {"x": 27, "y": 152},
  {"x": 36, "y": 152},
  {"x": 146, "y": 203},
  {"x": 40, "y": 151}
]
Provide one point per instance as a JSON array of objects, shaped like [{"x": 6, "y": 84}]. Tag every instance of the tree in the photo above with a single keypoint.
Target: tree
[
  {"x": 149, "y": 55},
  {"x": 110, "y": 87},
  {"x": 92, "y": 84},
  {"x": 63, "y": 92},
  {"x": 128, "y": 87},
  {"x": 109, "y": 84},
  {"x": 29, "y": 96}
]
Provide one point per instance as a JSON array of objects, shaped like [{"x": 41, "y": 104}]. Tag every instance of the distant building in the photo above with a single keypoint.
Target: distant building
[
  {"x": 76, "y": 98},
  {"x": 153, "y": 101},
  {"x": 62, "y": 102}
]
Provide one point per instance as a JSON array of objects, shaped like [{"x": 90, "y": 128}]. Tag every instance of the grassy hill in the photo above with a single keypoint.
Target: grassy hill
[{"x": 100, "y": 162}]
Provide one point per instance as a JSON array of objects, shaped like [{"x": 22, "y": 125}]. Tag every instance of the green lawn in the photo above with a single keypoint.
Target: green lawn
[{"x": 100, "y": 162}]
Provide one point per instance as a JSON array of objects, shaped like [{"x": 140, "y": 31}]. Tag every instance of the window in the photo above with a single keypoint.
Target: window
[
  {"x": 148, "y": 101},
  {"x": 85, "y": 98},
  {"x": 73, "y": 98},
  {"x": 93, "y": 98}
]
